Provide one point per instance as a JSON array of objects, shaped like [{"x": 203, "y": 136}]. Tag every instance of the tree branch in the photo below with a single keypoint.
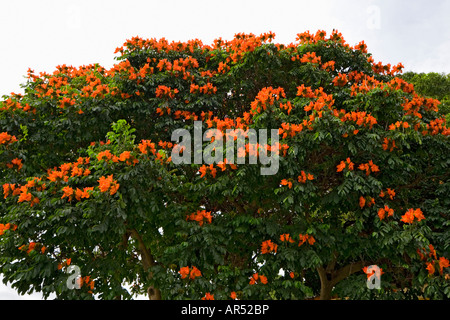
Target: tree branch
[
  {"x": 346, "y": 271},
  {"x": 147, "y": 261}
]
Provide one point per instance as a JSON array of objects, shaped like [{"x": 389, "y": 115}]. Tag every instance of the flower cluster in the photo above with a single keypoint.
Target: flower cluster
[
  {"x": 192, "y": 272},
  {"x": 205, "y": 169},
  {"x": 125, "y": 156},
  {"x": 86, "y": 281},
  {"x": 33, "y": 246},
  {"x": 382, "y": 212},
  {"x": 206, "y": 89},
  {"x": 265, "y": 98},
  {"x": 79, "y": 194},
  {"x": 389, "y": 144},
  {"x": 165, "y": 92},
  {"x": 432, "y": 261},
  {"x": 411, "y": 215},
  {"x": 107, "y": 184},
  {"x": 286, "y": 237},
  {"x": 7, "y": 226},
  {"x": 361, "y": 118},
  {"x": 390, "y": 193},
  {"x": 306, "y": 238},
  {"x": 208, "y": 296},
  {"x": 72, "y": 168},
  {"x": 345, "y": 164},
  {"x": 6, "y": 138},
  {"x": 303, "y": 177},
  {"x": 200, "y": 216},
  {"x": 268, "y": 246},
  {"x": 257, "y": 278},
  {"x": 145, "y": 145},
  {"x": 363, "y": 202},
  {"x": 369, "y": 167}
]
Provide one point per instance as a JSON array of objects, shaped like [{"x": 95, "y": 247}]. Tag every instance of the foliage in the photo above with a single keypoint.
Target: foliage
[
  {"x": 432, "y": 85},
  {"x": 363, "y": 179}
]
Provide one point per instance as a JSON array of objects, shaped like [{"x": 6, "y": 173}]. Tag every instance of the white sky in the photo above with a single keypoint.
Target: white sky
[{"x": 43, "y": 34}]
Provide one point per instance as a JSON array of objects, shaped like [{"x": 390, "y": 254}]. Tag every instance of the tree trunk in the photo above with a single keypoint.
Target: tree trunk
[
  {"x": 147, "y": 261},
  {"x": 330, "y": 277}
]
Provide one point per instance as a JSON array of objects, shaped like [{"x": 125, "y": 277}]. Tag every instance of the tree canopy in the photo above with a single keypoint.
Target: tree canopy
[{"x": 363, "y": 178}]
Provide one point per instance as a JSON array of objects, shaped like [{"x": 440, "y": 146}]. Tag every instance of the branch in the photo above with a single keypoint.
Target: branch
[
  {"x": 346, "y": 271},
  {"x": 332, "y": 263},
  {"x": 147, "y": 261},
  {"x": 147, "y": 258}
]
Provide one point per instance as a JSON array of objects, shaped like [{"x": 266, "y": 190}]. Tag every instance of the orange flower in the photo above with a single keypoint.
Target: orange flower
[
  {"x": 31, "y": 247},
  {"x": 184, "y": 271},
  {"x": 233, "y": 295},
  {"x": 369, "y": 167},
  {"x": 412, "y": 214},
  {"x": 4, "y": 227},
  {"x": 341, "y": 166},
  {"x": 304, "y": 177},
  {"x": 145, "y": 145},
  {"x": 195, "y": 273},
  {"x": 68, "y": 192},
  {"x": 408, "y": 217},
  {"x": 105, "y": 154},
  {"x": 79, "y": 194},
  {"x": 6, "y": 138},
  {"x": 255, "y": 277},
  {"x": 285, "y": 182},
  {"x": 306, "y": 238},
  {"x": 208, "y": 296},
  {"x": 310, "y": 57},
  {"x": 114, "y": 188},
  {"x": 124, "y": 156},
  {"x": 340, "y": 81},
  {"x": 383, "y": 211},
  {"x": 443, "y": 263},
  {"x": 344, "y": 164},
  {"x": 391, "y": 193},
  {"x": 418, "y": 214},
  {"x": 430, "y": 268},
  {"x": 268, "y": 246},
  {"x": 199, "y": 216},
  {"x": 286, "y": 238},
  {"x": 7, "y": 188},
  {"x": 204, "y": 169},
  {"x": 263, "y": 279},
  {"x": 108, "y": 184},
  {"x": 432, "y": 251},
  {"x": 16, "y": 162},
  {"x": 362, "y": 202}
]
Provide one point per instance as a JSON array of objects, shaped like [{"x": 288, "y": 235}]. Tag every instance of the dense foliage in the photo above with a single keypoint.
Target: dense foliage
[
  {"x": 432, "y": 85},
  {"x": 363, "y": 179}
]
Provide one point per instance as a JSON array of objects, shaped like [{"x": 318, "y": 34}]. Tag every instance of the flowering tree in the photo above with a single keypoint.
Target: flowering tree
[{"x": 88, "y": 178}]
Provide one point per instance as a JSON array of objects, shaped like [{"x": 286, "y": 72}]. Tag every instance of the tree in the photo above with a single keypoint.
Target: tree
[{"x": 89, "y": 181}]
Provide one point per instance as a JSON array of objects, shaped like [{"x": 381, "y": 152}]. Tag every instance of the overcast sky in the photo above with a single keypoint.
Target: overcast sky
[{"x": 43, "y": 34}]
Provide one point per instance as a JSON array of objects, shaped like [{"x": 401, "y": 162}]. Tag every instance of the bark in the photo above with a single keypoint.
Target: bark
[
  {"x": 330, "y": 277},
  {"x": 147, "y": 261}
]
